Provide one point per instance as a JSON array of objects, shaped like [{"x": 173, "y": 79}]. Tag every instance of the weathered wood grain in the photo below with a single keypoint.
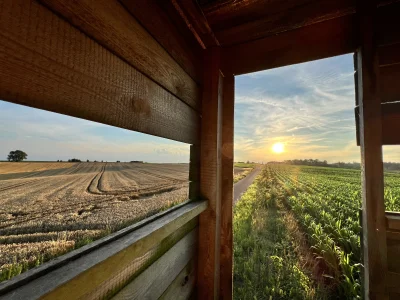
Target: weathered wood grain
[
  {"x": 226, "y": 262},
  {"x": 110, "y": 265},
  {"x": 389, "y": 55},
  {"x": 47, "y": 63},
  {"x": 389, "y": 83},
  {"x": 183, "y": 285},
  {"x": 111, "y": 25},
  {"x": 163, "y": 22},
  {"x": 152, "y": 283},
  {"x": 210, "y": 179},
  {"x": 322, "y": 40},
  {"x": 374, "y": 227},
  {"x": 195, "y": 20},
  {"x": 262, "y": 22}
]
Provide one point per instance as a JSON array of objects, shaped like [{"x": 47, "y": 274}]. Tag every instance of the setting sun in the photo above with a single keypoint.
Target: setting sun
[{"x": 278, "y": 147}]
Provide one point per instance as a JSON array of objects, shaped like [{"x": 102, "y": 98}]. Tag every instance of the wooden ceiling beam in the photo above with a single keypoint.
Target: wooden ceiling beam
[
  {"x": 326, "y": 39},
  {"x": 236, "y": 22},
  {"x": 195, "y": 20}
]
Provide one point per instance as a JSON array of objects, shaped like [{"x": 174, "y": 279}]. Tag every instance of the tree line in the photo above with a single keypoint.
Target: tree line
[{"x": 387, "y": 166}]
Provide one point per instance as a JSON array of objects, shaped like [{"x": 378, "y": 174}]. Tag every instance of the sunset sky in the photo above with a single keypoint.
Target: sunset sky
[{"x": 309, "y": 108}]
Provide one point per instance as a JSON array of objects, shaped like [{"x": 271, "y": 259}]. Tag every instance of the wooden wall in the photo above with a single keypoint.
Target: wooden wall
[
  {"x": 129, "y": 64},
  {"x": 93, "y": 60}
]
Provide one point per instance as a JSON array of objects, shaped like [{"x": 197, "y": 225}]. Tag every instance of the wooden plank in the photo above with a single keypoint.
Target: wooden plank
[
  {"x": 389, "y": 83},
  {"x": 99, "y": 268},
  {"x": 163, "y": 22},
  {"x": 374, "y": 228},
  {"x": 183, "y": 285},
  {"x": 390, "y": 123},
  {"x": 393, "y": 251},
  {"x": 266, "y": 23},
  {"x": 152, "y": 283},
  {"x": 322, "y": 40},
  {"x": 240, "y": 21},
  {"x": 110, "y": 24},
  {"x": 210, "y": 179},
  {"x": 46, "y": 63},
  {"x": 392, "y": 283},
  {"x": 195, "y": 20},
  {"x": 228, "y": 104},
  {"x": 389, "y": 55},
  {"x": 393, "y": 222}
]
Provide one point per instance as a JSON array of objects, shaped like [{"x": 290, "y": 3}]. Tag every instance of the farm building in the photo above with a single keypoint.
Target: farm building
[{"x": 166, "y": 68}]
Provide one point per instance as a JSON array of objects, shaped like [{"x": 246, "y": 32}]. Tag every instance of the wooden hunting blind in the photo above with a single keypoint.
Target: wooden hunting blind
[{"x": 166, "y": 68}]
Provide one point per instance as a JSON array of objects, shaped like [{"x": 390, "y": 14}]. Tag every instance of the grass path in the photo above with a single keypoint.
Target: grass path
[{"x": 271, "y": 258}]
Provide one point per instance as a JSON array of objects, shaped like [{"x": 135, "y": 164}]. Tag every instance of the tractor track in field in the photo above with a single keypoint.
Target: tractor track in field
[{"x": 17, "y": 185}]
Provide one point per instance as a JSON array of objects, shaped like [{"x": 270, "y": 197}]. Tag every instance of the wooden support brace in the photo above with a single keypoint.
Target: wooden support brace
[
  {"x": 370, "y": 124},
  {"x": 216, "y": 182}
]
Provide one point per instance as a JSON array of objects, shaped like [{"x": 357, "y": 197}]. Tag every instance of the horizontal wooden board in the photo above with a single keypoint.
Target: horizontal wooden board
[
  {"x": 47, "y": 63},
  {"x": 183, "y": 285},
  {"x": 389, "y": 54},
  {"x": 393, "y": 253},
  {"x": 163, "y": 22},
  {"x": 101, "y": 267},
  {"x": 152, "y": 283},
  {"x": 322, "y": 40},
  {"x": 261, "y": 21},
  {"x": 389, "y": 83},
  {"x": 390, "y": 136},
  {"x": 393, "y": 221},
  {"x": 392, "y": 283},
  {"x": 110, "y": 24}
]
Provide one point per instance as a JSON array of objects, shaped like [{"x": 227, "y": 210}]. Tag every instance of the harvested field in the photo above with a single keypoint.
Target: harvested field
[{"x": 69, "y": 206}]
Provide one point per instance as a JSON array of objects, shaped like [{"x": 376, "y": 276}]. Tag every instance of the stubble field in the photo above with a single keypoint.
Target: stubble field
[{"x": 47, "y": 209}]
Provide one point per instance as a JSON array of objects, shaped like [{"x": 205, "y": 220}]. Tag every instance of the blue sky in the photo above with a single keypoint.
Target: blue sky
[{"x": 307, "y": 107}]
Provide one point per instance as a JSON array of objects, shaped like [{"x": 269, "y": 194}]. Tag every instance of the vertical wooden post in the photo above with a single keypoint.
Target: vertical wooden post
[
  {"x": 374, "y": 231},
  {"x": 210, "y": 178},
  {"x": 226, "y": 278}
]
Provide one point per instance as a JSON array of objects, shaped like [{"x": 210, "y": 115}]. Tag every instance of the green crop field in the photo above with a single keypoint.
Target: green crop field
[{"x": 296, "y": 233}]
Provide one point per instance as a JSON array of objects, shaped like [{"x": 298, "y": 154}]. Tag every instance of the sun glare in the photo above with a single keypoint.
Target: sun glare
[{"x": 278, "y": 147}]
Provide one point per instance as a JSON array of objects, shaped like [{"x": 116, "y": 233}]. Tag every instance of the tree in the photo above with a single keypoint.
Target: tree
[{"x": 17, "y": 155}]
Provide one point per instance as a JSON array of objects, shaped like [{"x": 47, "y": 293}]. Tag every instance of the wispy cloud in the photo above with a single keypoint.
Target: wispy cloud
[{"x": 308, "y": 107}]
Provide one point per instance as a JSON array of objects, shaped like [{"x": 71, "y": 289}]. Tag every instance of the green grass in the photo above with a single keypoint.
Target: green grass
[
  {"x": 267, "y": 263},
  {"x": 243, "y": 165}
]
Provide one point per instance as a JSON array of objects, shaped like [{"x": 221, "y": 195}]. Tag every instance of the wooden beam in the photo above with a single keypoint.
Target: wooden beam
[
  {"x": 263, "y": 21},
  {"x": 322, "y": 40},
  {"x": 195, "y": 20},
  {"x": 164, "y": 23},
  {"x": 374, "y": 227},
  {"x": 388, "y": 24},
  {"x": 111, "y": 25},
  {"x": 390, "y": 123},
  {"x": 210, "y": 178},
  {"x": 228, "y": 104},
  {"x": 47, "y": 63},
  {"x": 235, "y": 22}
]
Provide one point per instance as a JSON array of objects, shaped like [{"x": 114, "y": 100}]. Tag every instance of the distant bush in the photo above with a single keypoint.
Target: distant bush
[
  {"x": 74, "y": 160},
  {"x": 137, "y": 161}
]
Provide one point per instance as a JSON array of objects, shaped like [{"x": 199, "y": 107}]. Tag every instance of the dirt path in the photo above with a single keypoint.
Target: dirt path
[{"x": 240, "y": 187}]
